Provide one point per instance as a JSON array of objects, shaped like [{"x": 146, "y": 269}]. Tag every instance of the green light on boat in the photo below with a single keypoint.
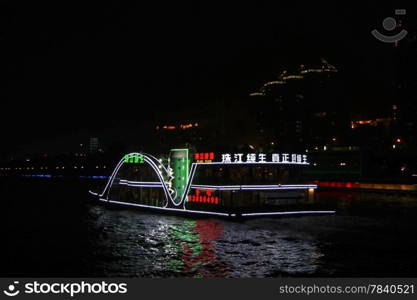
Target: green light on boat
[{"x": 134, "y": 158}]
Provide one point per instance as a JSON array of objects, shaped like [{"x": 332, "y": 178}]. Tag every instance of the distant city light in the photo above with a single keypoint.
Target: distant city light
[{"x": 256, "y": 94}]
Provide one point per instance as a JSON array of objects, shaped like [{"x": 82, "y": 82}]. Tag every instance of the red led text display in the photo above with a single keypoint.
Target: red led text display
[{"x": 200, "y": 197}]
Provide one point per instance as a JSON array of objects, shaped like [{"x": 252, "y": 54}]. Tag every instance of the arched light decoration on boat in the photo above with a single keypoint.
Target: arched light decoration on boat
[
  {"x": 176, "y": 201},
  {"x": 153, "y": 163}
]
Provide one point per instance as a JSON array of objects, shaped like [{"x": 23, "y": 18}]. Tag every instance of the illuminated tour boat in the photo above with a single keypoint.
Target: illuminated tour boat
[{"x": 228, "y": 184}]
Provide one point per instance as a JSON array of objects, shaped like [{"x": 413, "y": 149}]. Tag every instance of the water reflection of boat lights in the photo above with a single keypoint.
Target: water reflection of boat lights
[{"x": 193, "y": 239}]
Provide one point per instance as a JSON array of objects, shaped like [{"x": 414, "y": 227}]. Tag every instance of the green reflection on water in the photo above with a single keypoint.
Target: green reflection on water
[{"x": 193, "y": 253}]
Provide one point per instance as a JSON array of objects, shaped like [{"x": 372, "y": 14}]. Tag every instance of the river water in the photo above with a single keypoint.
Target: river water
[{"x": 49, "y": 229}]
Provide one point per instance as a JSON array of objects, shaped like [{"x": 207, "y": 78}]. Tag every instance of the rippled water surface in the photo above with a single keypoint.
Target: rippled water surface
[
  {"x": 159, "y": 245},
  {"x": 371, "y": 235},
  {"x": 141, "y": 244}
]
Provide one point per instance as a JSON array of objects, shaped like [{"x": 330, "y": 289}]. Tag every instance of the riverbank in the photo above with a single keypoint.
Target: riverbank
[{"x": 367, "y": 187}]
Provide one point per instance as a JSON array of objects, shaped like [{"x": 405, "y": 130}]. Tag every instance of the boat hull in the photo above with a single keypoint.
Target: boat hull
[{"x": 201, "y": 213}]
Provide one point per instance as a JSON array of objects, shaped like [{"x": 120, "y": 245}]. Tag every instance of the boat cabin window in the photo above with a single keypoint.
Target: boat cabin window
[{"x": 246, "y": 175}]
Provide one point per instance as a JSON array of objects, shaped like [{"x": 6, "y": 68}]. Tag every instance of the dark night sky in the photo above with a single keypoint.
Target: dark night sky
[{"x": 73, "y": 69}]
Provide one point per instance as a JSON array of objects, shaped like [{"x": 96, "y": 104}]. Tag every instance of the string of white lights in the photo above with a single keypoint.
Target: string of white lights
[
  {"x": 149, "y": 160},
  {"x": 140, "y": 183},
  {"x": 254, "y": 187},
  {"x": 283, "y": 213},
  {"x": 153, "y": 166},
  {"x": 255, "y": 163},
  {"x": 188, "y": 187},
  {"x": 169, "y": 209}
]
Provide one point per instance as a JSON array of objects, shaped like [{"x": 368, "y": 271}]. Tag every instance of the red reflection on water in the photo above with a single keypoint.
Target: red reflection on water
[{"x": 205, "y": 260}]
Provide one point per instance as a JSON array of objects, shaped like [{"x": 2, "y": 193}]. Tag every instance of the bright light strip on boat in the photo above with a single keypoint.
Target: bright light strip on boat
[
  {"x": 245, "y": 187},
  {"x": 222, "y": 214},
  {"x": 169, "y": 209},
  {"x": 166, "y": 191},
  {"x": 253, "y": 187},
  {"x": 116, "y": 169},
  {"x": 153, "y": 166},
  {"x": 140, "y": 183},
  {"x": 151, "y": 156},
  {"x": 214, "y": 187},
  {"x": 188, "y": 187},
  {"x": 285, "y": 213},
  {"x": 254, "y": 163}
]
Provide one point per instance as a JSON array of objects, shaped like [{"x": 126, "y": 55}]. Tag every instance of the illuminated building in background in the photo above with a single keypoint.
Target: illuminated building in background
[
  {"x": 290, "y": 112},
  {"x": 181, "y": 132},
  {"x": 298, "y": 109},
  {"x": 93, "y": 145},
  {"x": 372, "y": 133},
  {"x": 374, "y": 123}
]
